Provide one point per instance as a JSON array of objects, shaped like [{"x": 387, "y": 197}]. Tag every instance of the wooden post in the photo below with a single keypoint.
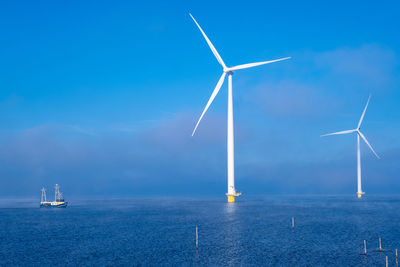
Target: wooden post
[
  {"x": 292, "y": 222},
  {"x": 397, "y": 263},
  {"x": 387, "y": 262},
  {"x": 197, "y": 238},
  {"x": 380, "y": 245},
  {"x": 365, "y": 248}
]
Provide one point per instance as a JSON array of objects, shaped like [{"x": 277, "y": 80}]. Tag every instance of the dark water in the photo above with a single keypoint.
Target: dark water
[{"x": 329, "y": 231}]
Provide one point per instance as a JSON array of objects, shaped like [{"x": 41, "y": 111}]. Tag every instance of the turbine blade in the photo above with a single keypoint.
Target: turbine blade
[
  {"x": 366, "y": 141},
  {"x": 214, "y": 93},
  {"x": 250, "y": 65},
  {"x": 362, "y": 116},
  {"x": 210, "y": 44},
  {"x": 341, "y": 132}
]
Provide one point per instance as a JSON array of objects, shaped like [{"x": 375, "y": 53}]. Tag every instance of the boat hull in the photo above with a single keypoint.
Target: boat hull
[{"x": 54, "y": 205}]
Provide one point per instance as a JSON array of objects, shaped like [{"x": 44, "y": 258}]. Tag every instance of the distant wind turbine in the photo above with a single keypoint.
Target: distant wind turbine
[
  {"x": 359, "y": 133},
  {"x": 227, "y": 71}
]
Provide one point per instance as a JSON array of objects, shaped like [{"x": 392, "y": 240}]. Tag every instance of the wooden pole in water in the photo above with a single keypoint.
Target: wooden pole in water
[
  {"x": 380, "y": 244},
  {"x": 365, "y": 248},
  {"x": 197, "y": 238},
  {"x": 292, "y": 222},
  {"x": 397, "y": 264},
  {"x": 387, "y": 262}
]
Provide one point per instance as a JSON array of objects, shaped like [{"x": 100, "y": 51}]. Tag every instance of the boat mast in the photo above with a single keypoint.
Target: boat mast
[
  {"x": 43, "y": 195},
  {"x": 55, "y": 193}
]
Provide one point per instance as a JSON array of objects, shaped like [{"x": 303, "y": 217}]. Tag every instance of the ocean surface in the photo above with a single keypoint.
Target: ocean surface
[{"x": 256, "y": 231}]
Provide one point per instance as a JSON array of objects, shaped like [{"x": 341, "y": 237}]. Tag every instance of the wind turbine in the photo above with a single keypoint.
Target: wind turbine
[
  {"x": 359, "y": 134},
  {"x": 230, "y": 142}
]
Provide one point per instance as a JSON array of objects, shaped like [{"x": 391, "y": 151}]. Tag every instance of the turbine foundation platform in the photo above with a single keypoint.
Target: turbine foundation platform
[
  {"x": 359, "y": 194},
  {"x": 231, "y": 197}
]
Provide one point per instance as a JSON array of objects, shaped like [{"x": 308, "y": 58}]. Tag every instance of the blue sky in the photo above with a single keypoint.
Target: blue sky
[{"x": 101, "y": 97}]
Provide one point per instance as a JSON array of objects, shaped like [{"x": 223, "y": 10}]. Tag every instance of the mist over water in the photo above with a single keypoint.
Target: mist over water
[{"x": 256, "y": 231}]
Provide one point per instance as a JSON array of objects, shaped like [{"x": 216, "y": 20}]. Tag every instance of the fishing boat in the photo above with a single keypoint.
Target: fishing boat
[{"x": 58, "y": 199}]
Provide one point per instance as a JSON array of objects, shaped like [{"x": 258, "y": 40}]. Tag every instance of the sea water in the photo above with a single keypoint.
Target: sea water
[{"x": 255, "y": 231}]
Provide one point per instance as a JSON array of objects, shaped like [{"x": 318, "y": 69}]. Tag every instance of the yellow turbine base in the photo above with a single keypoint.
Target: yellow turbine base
[
  {"x": 359, "y": 195},
  {"x": 231, "y": 199}
]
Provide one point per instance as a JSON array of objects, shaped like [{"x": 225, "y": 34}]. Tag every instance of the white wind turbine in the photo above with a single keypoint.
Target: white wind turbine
[
  {"x": 359, "y": 133},
  {"x": 230, "y": 143}
]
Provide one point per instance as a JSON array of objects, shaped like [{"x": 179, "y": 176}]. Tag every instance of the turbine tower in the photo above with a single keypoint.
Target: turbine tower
[
  {"x": 231, "y": 194},
  {"x": 359, "y": 134}
]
